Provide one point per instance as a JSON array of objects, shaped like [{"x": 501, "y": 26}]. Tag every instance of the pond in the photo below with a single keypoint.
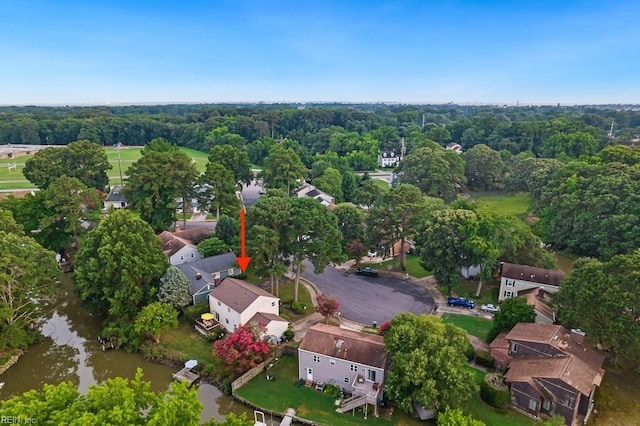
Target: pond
[{"x": 70, "y": 352}]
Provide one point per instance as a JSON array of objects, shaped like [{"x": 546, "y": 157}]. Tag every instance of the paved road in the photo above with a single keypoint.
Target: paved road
[{"x": 368, "y": 299}]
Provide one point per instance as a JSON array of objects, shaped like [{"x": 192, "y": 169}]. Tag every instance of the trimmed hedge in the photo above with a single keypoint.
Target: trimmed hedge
[
  {"x": 469, "y": 351},
  {"x": 494, "y": 391},
  {"x": 485, "y": 359},
  {"x": 192, "y": 313}
]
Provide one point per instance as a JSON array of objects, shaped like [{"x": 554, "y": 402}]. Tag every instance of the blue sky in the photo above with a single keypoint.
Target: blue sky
[{"x": 100, "y": 52}]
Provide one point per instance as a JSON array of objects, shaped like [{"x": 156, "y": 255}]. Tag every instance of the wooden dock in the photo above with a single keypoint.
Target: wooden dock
[{"x": 186, "y": 374}]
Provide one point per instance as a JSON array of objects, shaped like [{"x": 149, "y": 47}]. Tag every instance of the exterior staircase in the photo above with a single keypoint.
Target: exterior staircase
[
  {"x": 308, "y": 383},
  {"x": 351, "y": 403}
]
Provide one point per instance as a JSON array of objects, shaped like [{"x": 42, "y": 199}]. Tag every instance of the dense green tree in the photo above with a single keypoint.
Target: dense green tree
[
  {"x": 569, "y": 145},
  {"x": 212, "y": 246},
  {"x": 621, "y": 154},
  {"x": 603, "y": 299},
  {"x": 512, "y": 311},
  {"x": 483, "y": 167},
  {"x": 83, "y": 160},
  {"x": 443, "y": 243},
  {"x": 27, "y": 275},
  {"x": 155, "y": 319},
  {"x": 349, "y": 185},
  {"x": 592, "y": 210},
  {"x": 156, "y": 180},
  {"x": 267, "y": 226},
  {"x": 117, "y": 401},
  {"x": 221, "y": 136},
  {"x": 435, "y": 171},
  {"x": 396, "y": 214},
  {"x": 8, "y": 224},
  {"x": 283, "y": 169},
  {"x": 438, "y": 134},
  {"x": 219, "y": 190},
  {"x": 330, "y": 182},
  {"x": 119, "y": 266},
  {"x": 350, "y": 222},
  {"x": 427, "y": 363},
  {"x": 227, "y": 229},
  {"x": 175, "y": 288},
  {"x": 72, "y": 203},
  {"x": 232, "y": 420},
  {"x": 366, "y": 193},
  {"x": 455, "y": 417},
  {"x": 312, "y": 235},
  {"x": 235, "y": 160}
]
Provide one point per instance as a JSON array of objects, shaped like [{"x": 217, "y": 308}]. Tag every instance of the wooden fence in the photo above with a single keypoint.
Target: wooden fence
[{"x": 246, "y": 377}]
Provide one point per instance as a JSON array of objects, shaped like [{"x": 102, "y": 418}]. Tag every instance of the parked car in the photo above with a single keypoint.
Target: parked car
[
  {"x": 367, "y": 271},
  {"x": 489, "y": 308},
  {"x": 461, "y": 301}
]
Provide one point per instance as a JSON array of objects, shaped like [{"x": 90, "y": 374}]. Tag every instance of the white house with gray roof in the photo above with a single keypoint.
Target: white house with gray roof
[
  {"x": 235, "y": 302},
  {"x": 203, "y": 274},
  {"x": 116, "y": 198}
]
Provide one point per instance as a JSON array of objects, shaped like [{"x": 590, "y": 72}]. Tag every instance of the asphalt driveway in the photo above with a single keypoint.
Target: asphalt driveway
[{"x": 368, "y": 299}]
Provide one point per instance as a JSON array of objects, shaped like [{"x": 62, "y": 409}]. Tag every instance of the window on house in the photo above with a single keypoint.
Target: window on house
[
  {"x": 508, "y": 294},
  {"x": 230, "y": 271},
  {"x": 316, "y": 358},
  {"x": 546, "y": 405},
  {"x": 273, "y": 303},
  {"x": 191, "y": 254},
  {"x": 514, "y": 347},
  {"x": 181, "y": 257},
  {"x": 511, "y": 283},
  {"x": 533, "y": 405},
  {"x": 372, "y": 375},
  {"x": 332, "y": 362},
  {"x": 353, "y": 367},
  {"x": 228, "y": 309},
  {"x": 226, "y": 320},
  {"x": 217, "y": 317},
  {"x": 219, "y": 303},
  {"x": 346, "y": 380}
]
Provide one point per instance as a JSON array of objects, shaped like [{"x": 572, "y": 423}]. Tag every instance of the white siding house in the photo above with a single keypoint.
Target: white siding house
[
  {"x": 235, "y": 302},
  {"x": 519, "y": 278},
  {"x": 179, "y": 250},
  {"x": 115, "y": 199},
  {"x": 388, "y": 159}
]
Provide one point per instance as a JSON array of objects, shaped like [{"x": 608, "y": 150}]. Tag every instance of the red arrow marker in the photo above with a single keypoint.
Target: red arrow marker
[{"x": 243, "y": 260}]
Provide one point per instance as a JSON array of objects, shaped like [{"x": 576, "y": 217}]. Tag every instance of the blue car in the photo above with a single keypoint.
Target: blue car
[{"x": 461, "y": 301}]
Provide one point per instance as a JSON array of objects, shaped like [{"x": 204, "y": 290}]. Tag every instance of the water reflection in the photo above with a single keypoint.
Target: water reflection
[{"x": 70, "y": 352}]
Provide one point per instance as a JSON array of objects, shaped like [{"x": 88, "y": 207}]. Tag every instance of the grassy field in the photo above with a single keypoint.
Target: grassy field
[
  {"x": 618, "y": 398},
  {"x": 518, "y": 204},
  {"x": 476, "y": 326},
  {"x": 286, "y": 296},
  {"x": 186, "y": 343},
  {"x": 128, "y": 155},
  {"x": 382, "y": 184}
]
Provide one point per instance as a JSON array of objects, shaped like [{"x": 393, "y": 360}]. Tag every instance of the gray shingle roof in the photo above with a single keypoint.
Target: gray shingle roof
[
  {"x": 238, "y": 294},
  {"x": 115, "y": 194},
  {"x": 206, "y": 267},
  {"x": 532, "y": 274}
]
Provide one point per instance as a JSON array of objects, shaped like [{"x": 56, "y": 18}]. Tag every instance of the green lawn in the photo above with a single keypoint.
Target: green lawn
[
  {"x": 476, "y": 326},
  {"x": 286, "y": 296},
  {"x": 467, "y": 288},
  {"x": 518, "y": 204},
  {"x": 382, "y": 184},
  {"x": 281, "y": 394},
  {"x": 412, "y": 264},
  {"x": 186, "y": 343},
  {"x": 489, "y": 415}
]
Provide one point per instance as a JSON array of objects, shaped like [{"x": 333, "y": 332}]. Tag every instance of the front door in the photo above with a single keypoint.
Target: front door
[{"x": 310, "y": 374}]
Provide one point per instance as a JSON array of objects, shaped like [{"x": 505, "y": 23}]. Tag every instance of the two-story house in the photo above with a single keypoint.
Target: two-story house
[
  {"x": 551, "y": 371},
  {"x": 515, "y": 279},
  {"x": 204, "y": 274},
  {"x": 388, "y": 159},
  {"x": 235, "y": 302},
  {"x": 179, "y": 250},
  {"x": 352, "y": 360}
]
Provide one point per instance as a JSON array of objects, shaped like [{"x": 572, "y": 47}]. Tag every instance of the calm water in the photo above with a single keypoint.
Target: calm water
[
  {"x": 564, "y": 263},
  {"x": 70, "y": 352}
]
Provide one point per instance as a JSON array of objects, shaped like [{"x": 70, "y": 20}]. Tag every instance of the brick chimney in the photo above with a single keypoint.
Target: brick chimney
[{"x": 577, "y": 336}]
